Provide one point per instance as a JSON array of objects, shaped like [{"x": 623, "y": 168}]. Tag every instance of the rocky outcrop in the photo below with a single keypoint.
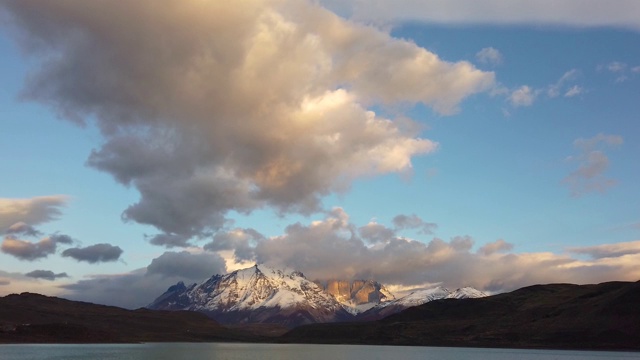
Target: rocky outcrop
[{"x": 357, "y": 292}]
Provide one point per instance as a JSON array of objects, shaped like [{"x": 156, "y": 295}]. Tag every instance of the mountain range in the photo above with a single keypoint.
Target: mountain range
[
  {"x": 261, "y": 294},
  {"x": 603, "y": 316}
]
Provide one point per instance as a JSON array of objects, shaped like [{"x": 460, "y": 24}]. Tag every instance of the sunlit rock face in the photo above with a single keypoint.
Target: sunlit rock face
[{"x": 357, "y": 295}]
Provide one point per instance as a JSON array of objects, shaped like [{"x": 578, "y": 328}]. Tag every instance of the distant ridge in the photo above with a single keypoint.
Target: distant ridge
[{"x": 34, "y": 318}]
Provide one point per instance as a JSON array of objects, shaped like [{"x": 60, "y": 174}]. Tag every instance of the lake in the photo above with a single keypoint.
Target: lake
[{"x": 226, "y": 351}]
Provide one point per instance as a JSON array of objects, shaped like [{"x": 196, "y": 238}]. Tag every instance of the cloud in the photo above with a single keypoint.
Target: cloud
[
  {"x": 413, "y": 221},
  {"x": 130, "y": 290},
  {"x": 264, "y": 105},
  {"x": 241, "y": 241},
  {"x": 140, "y": 287},
  {"x": 578, "y": 13},
  {"x": 592, "y": 164},
  {"x": 376, "y": 233},
  {"x": 573, "y": 91},
  {"x": 332, "y": 249},
  {"x": 489, "y": 56},
  {"x": 29, "y": 212},
  {"x": 494, "y": 247},
  {"x": 170, "y": 240},
  {"x": 604, "y": 139},
  {"x": 556, "y": 89},
  {"x": 622, "y": 71},
  {"x": 523, "y": 96},
  {"x": 616, "y": 67},
  {"x": 196, "y": 267},
  {"x": 94, "y": 253},
  {"x": 46, "y": 275},
  {"x": 21, "y": 228},
  {"x": 608, "y": 250},
  {"x": 14, "y": 282},
  {"x": 30, "y": 251}
]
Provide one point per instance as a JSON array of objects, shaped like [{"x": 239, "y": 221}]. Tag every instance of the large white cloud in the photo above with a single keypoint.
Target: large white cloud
[{"x": 209, "y": 106}]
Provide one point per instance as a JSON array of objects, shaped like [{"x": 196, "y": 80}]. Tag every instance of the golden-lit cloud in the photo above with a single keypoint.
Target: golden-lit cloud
[
  {"x": 210, "y": 106},
  {"x": 20, "y": 215}
]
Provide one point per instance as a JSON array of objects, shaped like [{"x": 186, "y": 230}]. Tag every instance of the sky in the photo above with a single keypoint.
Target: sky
[{"x": 417, "y": 143}]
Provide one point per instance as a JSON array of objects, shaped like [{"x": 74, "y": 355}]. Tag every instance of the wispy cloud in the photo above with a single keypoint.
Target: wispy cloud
[
  {"x": 608, "y": 250},
  {"x": 560, "y": 86},
  {"x": 592, "y": 164},
  {"x": 18, "y": 216},
  {"x": 489, "y": 56},
  {"x": 620, "y": 70},
  {"x": 574, "y": 91}
]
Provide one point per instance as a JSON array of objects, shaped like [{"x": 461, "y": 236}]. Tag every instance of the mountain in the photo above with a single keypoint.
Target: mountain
[
  {"x": 416, "y": 298},
  {"x": 34, "y": 318},
  {"x": 357, "y": 296},
  {"x": 258, "y": 294},
  {"x": 562, "y": 316}
]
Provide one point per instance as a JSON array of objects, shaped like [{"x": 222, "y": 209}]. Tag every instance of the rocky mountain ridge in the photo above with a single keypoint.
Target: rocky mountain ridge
[
  {"x": 258, "y": 294},
  {"x": 357, "y": 295},
  {"x": 261, "y": 294}
]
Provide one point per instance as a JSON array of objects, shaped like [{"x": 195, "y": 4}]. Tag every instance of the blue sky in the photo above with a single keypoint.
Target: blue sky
[{"x": 528, "y": 173}]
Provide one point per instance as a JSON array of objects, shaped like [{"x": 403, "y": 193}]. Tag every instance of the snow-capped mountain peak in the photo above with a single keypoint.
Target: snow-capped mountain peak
[{"x": 255, "y": 294}]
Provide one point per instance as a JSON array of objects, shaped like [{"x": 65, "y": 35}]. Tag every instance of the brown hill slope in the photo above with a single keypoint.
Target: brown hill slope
[
  {"x": 563, "y": 316},
  {"x": 36, "y": 318}
]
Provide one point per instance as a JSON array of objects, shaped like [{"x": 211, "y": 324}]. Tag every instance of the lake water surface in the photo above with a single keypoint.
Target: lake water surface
[{"x": 197, "y": 351}]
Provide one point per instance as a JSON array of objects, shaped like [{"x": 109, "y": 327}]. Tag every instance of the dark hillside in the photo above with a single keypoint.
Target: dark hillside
[
  {"x": 563, "y": 316},
  {"x": 36, "y": 318}
]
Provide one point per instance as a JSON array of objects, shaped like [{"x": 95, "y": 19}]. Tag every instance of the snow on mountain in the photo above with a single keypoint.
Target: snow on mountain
[
  {"x": 260, "y": 294},
  {"x": 255, "y": 294},
  {"x": 466, "y": 293},
  {"x": 416, "y": 298}
]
